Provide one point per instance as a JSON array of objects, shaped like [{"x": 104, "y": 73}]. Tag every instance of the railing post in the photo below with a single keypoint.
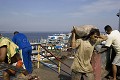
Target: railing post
[
  {"x": 38, "y": 57},
  {"x": 59, "y": 65}
]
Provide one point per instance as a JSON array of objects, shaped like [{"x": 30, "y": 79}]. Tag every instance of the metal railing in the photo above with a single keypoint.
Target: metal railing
[{"x": 39, "y": 54}]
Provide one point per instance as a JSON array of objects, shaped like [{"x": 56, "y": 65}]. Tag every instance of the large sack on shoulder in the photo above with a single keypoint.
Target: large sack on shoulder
[{"x": 83, "y": 30}]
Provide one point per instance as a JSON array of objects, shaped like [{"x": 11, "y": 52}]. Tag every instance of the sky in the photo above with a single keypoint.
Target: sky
[{"x": 57, "y": 15}]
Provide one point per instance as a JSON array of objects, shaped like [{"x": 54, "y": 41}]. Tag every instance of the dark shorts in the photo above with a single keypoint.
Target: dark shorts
[{"x": 82, "y": 76}]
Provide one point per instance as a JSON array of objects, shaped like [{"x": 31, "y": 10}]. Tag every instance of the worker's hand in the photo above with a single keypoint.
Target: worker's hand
[
  {"x": 73, "y": 30},
  {"x": 12, "y": 71}
]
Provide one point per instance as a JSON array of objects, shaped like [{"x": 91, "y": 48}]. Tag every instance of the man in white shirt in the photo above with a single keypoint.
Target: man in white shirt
[{"x": 114, "y": 40}]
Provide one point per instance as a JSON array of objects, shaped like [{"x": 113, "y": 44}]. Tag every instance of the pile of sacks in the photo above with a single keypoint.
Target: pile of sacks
[{"x": 27, "y": 77}]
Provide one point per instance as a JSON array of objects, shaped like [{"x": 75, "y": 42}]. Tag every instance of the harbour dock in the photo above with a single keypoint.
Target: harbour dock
[
  {"x": 63, "y": 62},
  {"x": 52, "y": 61}
]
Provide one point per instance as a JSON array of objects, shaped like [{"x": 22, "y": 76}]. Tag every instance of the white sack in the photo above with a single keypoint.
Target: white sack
[{"x": 83, "y": 30}]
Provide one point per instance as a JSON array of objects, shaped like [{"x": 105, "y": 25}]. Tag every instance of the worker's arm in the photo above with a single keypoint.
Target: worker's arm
[
  {"x": 73, "y": 41},
  {"x": 103, "y": 37},
  {"x": 3, "y": 53}
]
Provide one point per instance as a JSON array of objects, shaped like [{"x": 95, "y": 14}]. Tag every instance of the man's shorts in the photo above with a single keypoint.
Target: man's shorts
[
  {"x": 82, "y": 76},
  {"x": 116, "y": 60}
]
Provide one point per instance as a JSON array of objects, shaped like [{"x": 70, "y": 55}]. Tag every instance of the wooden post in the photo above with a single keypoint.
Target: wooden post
[
  {"x": 38, "y": 57},
  {"x": 59, "y": 64},
  {"x": 119, "y": 20},
  {"x": 118, "y": 14}
]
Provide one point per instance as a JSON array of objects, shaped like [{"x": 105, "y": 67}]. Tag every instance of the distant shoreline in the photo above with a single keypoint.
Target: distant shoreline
[{"x": 33, "y": 36}]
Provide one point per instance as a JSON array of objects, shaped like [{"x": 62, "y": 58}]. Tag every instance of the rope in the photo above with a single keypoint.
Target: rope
[
  {"x": 51, "y": 60},
  {"x": 54, "y": 56}
]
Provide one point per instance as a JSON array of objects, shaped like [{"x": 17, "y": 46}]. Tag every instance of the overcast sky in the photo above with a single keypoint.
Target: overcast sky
[{"x": 57, "y": 15}]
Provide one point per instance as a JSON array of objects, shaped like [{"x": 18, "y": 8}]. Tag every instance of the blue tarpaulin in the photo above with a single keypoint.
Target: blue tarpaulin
[{"x": 58, "y": 47}]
